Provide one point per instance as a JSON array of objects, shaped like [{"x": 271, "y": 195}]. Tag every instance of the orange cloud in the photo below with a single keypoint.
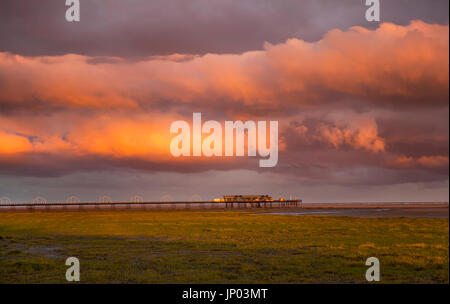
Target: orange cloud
[
  {"x": 403, "y": 62},
  {"x": 359, "y": 134},
  {"x": 423, "y": 161},
  {"x": 11, "y": 143},
  {"x": 433, "y": 161},
  {"x": 116, "y": 109},
  {"x": 121, "y": 137},
  {"x": 143, "y": 136}
]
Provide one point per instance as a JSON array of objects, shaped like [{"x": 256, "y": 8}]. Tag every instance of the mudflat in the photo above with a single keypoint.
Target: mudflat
[{"x": 434, "y": 210}]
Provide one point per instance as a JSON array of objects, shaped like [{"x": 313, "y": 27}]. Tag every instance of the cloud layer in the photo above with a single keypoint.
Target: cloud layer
[
  {"x": 358, "y": 107},
  {"x": 392, "y": 67},
  {"x": 163, "y": 27}
]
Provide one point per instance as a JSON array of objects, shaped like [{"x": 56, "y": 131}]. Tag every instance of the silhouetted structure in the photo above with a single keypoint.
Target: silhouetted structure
[{"x": 247, "y": 198}]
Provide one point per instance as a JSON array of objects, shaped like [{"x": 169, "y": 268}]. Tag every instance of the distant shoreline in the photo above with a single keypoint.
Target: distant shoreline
[{"x": 374, "y": 205}]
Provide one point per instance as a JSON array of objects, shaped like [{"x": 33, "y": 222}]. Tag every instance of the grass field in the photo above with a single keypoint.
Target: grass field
[{"x": 219, "y": 247}]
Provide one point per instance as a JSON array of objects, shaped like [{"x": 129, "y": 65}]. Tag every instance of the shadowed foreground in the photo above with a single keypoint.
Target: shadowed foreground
[{"x": 219, "y": 247}]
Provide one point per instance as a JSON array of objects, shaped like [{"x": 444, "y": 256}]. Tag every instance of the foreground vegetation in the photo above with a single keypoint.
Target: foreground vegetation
[{"x": 219, "y": 247}]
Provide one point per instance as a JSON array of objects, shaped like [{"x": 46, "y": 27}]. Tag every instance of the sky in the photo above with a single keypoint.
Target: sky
[{"x": 362, "y": 107}]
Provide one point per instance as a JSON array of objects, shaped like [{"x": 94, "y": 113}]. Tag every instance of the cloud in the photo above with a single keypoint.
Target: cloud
[
  {"x": 354, "y": 107},
  {"x": 142, "y": 28},
  {"x": 359, "y": 134},
  {"x": 143, "y": 136},
  {"x": 435, "y": 161},
  {"x": 12, "y": 143},
  {"x": 393, "y": 66}
]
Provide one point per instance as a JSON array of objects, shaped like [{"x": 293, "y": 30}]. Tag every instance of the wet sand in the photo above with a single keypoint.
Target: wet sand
[
  {"x": 432, "y": 211},
  {"x": 374, "y": 205}
]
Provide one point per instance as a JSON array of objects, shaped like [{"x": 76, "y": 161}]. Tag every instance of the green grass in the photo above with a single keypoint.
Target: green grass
[{"x": 219, "y": 247}]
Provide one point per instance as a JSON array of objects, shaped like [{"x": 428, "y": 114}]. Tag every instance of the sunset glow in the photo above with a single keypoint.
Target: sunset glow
[{"x": 370, "y": 101}]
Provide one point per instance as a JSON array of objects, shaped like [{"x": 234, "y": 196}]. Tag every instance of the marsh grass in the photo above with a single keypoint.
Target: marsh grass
[{"x": 219, "y": 247}]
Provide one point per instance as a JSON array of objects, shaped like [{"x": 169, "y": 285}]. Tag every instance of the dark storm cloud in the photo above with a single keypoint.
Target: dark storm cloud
[{"x": 141, "y": 28}]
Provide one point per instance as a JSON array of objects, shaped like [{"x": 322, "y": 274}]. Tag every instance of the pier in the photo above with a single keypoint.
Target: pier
[{"x": 149, "y": 205}]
